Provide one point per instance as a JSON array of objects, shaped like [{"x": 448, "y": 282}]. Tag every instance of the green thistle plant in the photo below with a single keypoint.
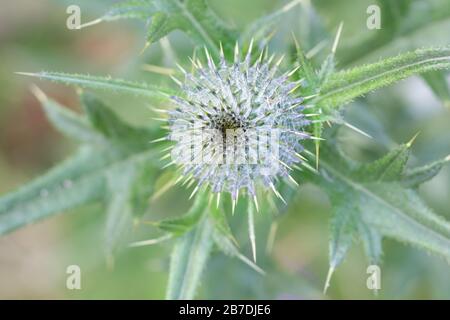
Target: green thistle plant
[{"x": 117, "y": 164}]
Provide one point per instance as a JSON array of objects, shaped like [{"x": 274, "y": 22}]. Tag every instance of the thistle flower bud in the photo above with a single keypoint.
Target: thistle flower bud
[{"x": 237, "y": 125}]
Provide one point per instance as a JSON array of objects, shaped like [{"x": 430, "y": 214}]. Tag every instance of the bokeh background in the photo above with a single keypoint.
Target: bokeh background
[{"x": 33, "y": 260}]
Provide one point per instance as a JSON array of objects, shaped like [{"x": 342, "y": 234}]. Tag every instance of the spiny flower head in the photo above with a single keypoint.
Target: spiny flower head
[{"x": 237, "y": 125}]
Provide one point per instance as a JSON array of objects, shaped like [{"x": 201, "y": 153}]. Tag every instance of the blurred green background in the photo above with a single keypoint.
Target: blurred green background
[{"x": 33, "y": 260}]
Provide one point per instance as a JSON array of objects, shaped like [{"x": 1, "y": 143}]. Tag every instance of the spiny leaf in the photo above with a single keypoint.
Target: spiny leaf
[
  {"x": 220, "y": 222},
  {"x": 104, "y": 83},
  {"x": 306, "y": 71},
  {"x": 225, "y": 240},
  {"x": 343, "y": 223},
  {"x": 343, "y": 226},
  {"x": 128, "y": 189},
  {"x": 371, "y": 240},
  {"x": 66, "y": 121},
  {"x": 229, "y": 248},
  {"x": 414, "y": 177},
  {"x": 329, "y": 65},
  {"x": 141, "y": 189},
  {"x": 179, "y": 226},
  {"x": 388, "y": 168},
  {"x": 188, "y": 261},
  {"x": 385, "y": 208},
  {"x": 342, "y": 87},
  {"x": 191, "y": 16},
  {"x": 105, "y": 121},
  {"x": 72, "y": 183},
  {"x": 78, "y": 180},
  {"x": 131, "y": 9},
  {"x": 119, "y": 217},
  {"x": 438, "y": 83},
  {"x": 159, "y": 26},
  {"x": 400, "y": 213},
  {"x": 327, "y": 68}
]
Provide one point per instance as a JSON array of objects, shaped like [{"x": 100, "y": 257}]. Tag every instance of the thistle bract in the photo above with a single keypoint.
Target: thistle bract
[{"x": 237, "y": 124}]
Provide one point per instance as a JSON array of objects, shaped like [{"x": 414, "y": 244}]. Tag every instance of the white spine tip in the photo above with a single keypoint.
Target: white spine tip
[
  {"x": 327, "y": 281},
  {"x": 38, "y": 93},
  {"x": 337, "y": 38}
]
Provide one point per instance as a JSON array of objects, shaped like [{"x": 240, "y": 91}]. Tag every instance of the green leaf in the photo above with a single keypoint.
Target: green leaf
[
  {"x": 193, "y": 248},
  {"x": 128, "y": 190},
  {"x": 400, "y": 214},
  {"x": 348, "y": 221},
  {"x": 159, "y": 26},
  {"x": 329, "y": 64},
  {"x": 307, "y": 72},
  {"x": 141, "y": 189},
  {"x": 229, "y": 248},
  {"x": 438, "y": 83},
  {"x": 188, "y": 261},
  {"x": 371, "y": 240},
  {"x": 104, "y": 83},
  {"x": 388, "y": 168},
  {"x": 380, "y": 205},
  {"x": 413, "y": 178},
  {"x": 79, "y": 180},
  {"x": 191, "y": 16},
  {"x": 343, "y": 224},
  {"x": 76, "y": 181},
  {"x": 225, "y": 240},
  {"x": 306, "y": 69},
  {"x": 342, "y": 87},
  {"x": 179, "y": 226},
  {"x": 327, "y": 69},
  {"x": 119, "y": 215},
  {"x": 105, "y": 121},
  {"x": 66, "y": 121},
  {"x": 220, "y": 222},
  {"x": 131, "y": 9}
]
